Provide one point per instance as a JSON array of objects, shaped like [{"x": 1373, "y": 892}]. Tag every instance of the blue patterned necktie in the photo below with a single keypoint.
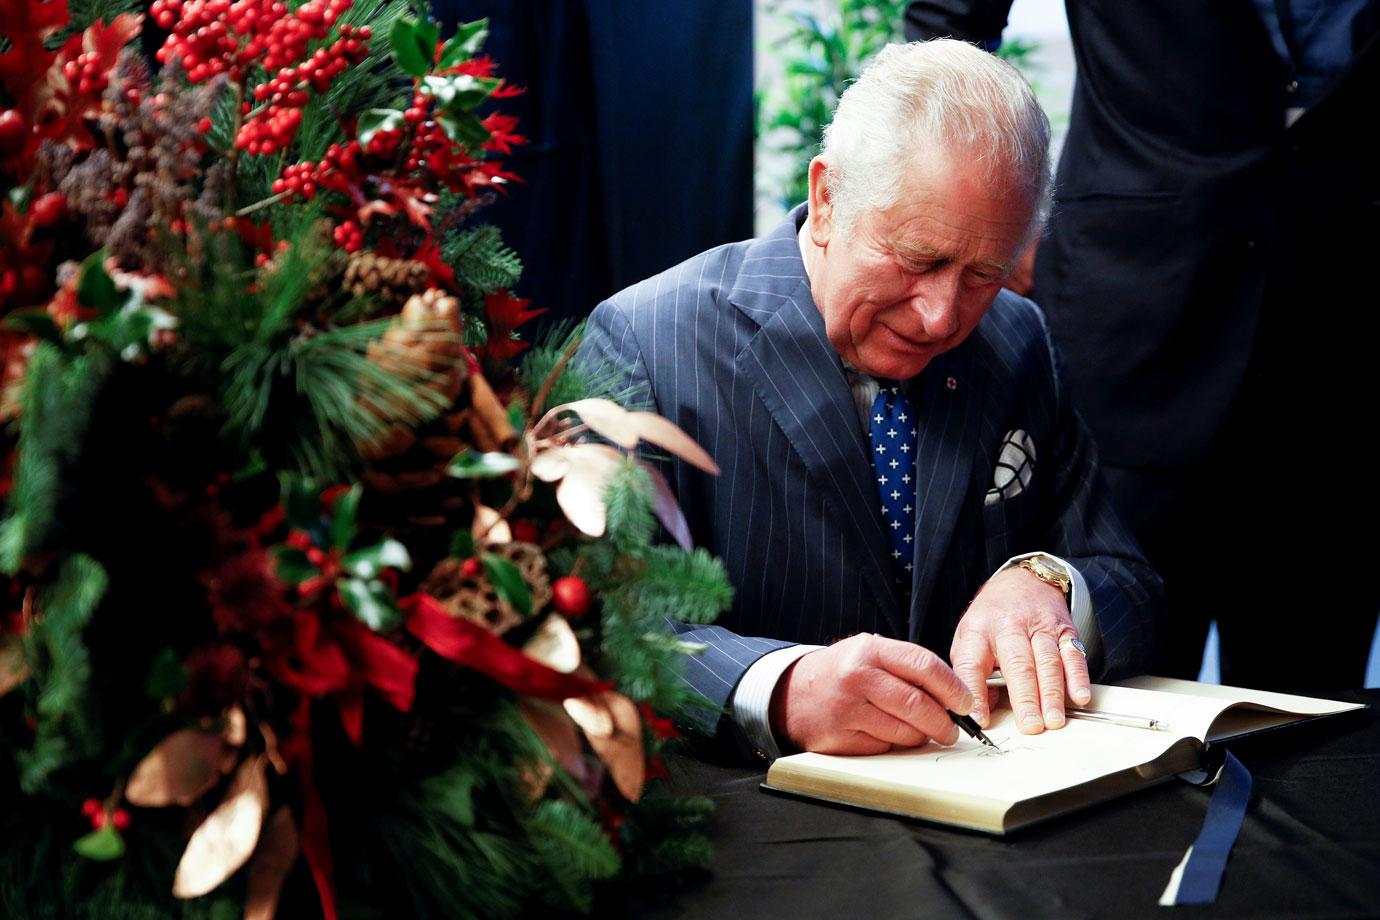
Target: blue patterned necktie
[{"x": 893, "y": 463}]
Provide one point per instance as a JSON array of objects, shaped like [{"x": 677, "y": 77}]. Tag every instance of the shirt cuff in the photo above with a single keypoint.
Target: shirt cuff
[
  {"x": 1080, "y": 606},
  {"x": 751, "y": 701}
]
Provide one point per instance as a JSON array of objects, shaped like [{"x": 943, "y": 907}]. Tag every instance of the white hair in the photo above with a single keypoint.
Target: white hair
[{"x": 940, "y": 98}]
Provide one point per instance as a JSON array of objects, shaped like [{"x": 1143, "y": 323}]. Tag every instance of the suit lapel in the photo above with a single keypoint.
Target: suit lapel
[
  {"x": 948, "y": 397},
  {"x": 797, "y": 375}
]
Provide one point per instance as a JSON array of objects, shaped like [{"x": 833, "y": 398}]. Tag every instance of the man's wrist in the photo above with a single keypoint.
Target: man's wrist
[
  {"x": 750, "y": 706},
  {"x": 1079, "y": 600}
]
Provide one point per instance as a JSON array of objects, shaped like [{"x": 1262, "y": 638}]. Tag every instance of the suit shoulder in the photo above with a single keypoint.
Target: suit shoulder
[
  {"x": 681, "y": 290},
  {"x": 1016, "y": 329}
]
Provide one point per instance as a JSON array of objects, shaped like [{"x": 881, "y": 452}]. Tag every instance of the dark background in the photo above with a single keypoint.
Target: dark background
[{"x": 640, "y": 120}]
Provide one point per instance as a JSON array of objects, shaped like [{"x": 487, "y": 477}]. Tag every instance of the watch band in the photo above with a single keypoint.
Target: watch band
[{"x": 1047, "y": 573}]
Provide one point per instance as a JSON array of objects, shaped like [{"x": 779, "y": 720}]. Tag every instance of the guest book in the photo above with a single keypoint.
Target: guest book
[{"x": 1030, "y": 778}]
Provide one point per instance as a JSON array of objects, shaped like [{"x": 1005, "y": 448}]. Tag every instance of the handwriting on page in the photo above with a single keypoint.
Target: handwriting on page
[{"x": 1006, "y": 745}]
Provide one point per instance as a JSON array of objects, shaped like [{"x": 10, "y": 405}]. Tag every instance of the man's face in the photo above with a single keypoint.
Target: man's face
[{"x": 913, "y": 280}]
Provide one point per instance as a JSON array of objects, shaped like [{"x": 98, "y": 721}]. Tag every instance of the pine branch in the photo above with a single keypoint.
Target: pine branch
[
  {"x": 575, "y": 849},
  {"x": 83, "y": 13},
  {"x": 482, "y": 263},
  {"x": 577, "y": 380},
  {"x": 630, "y": 523},
  {"x": 63, "y": 671},
  {"x": 692, "y": 587},
  {"x": 55, "y": 409}
]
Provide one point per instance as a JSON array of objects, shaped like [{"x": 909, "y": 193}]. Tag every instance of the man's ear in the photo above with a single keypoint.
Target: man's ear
[{"x": 821, "y": 209}]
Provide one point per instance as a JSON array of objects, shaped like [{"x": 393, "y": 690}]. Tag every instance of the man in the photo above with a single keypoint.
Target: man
[
  {"x": 891, "y": 432},
  {"x": 1205, "y": 273}
]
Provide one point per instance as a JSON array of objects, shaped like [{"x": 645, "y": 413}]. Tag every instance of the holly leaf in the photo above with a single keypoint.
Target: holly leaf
[
  {"x": 301, "y": 502},
  {"x": 465, "y": 43},
  {"x": 293, "y": 566},
  {"x": 344, "y": 517},
  {"x": 474, "y": 465},
  {"x": 458, "y": 93},
  {"x": 102, "y": 845},
  {"x": 368, "y": 562},
  {"x": 508, "y": 582},
  {"x": 96, "y": 289},
  {"x": 407, "y": 49},
  {"x": 373, "y": 121},
  {"x": 463, "y": 128},
  {"x": 372, "y": 602},
  {"x": 36, "y": 322}
]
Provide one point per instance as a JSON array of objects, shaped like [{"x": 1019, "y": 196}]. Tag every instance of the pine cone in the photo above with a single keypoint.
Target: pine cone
[
  {"x": 476, "y": 600},
  {"x": 386, "y": 282}
]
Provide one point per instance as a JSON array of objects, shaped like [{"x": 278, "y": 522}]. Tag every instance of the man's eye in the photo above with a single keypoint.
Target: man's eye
[
  {"x": 919, "y": 267},
  {"x": 984, "y": 278}
]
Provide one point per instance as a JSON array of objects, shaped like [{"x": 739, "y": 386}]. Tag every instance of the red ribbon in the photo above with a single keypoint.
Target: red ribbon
[{"x": 469, "y": 644}]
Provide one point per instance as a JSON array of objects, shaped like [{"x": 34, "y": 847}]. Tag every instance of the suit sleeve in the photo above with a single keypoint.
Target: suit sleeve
[
  {"x": 610, "y": 342},
  {"x": 977, "y": 21},
  {"x": 1084, "y": 528}
]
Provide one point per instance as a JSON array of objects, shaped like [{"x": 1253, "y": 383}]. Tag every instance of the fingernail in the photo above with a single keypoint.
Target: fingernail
[
  {"x": 965, "y": 705},
  {"x": 1032, "y": 720},
  {"x": 980, "y": 717},
  {"x": 1081, "y": 696},
  {"x": 953, "y": 735},
  {"x": 1054, "y": 718}
]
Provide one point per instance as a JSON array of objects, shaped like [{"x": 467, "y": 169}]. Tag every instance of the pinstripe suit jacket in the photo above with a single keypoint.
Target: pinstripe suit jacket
[{"x": 731, "y": 347}]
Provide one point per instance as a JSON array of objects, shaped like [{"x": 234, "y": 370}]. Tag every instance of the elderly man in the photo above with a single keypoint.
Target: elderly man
[{"x": 901, "y": 468}]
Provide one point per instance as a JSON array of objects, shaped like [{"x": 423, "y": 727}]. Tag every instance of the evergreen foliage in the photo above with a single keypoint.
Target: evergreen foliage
[
  {"x": 575, "y": 848},
  {"x": 62, "y": 667},
  {"x": 576, "y": 380},
  {"x": 58, "y": 394},
  {"x": 480, "y": 260}
]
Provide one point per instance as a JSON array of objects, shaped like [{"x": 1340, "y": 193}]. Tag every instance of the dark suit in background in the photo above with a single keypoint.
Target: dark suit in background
[
  {"x": 1208, "y": 274},
  {"x": 732, "y": 348}
]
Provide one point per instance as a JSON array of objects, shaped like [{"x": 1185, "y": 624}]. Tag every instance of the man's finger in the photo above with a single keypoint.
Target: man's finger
[
  {"x": 973, "y": 661},
  {"x": 1049, "y": 667},
  {"x": 922, "y": 667},
  {"x": 912, "y": 705},
  {"x": 884, "y": 727},
  {"x": 1017, "y": 664},
  {"x": 1075, "y": 669}
]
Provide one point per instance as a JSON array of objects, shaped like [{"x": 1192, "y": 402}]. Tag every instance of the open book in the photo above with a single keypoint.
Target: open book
[{"x": 1033, "y": 777}]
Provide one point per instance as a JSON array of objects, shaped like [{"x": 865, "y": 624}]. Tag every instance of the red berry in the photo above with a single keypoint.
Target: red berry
[
  {"x": 120, "y": 819},
  {"x": 14, "y": 133},
  {"x": 91, "y": 807},
  {"x": 98, "y": 820},
  {"x": 571, "y": 596},
  {"x": 471, "y": 567},
  {"x": 526, "y": 532},
  {"x": 48, "y": 209}
]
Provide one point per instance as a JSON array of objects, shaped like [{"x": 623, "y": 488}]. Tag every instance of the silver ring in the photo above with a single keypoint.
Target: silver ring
[{"x": 1075, "y": 643}]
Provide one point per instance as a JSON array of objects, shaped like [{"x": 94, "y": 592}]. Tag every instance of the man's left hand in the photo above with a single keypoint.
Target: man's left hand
[{"x": 1021, "y": 624}]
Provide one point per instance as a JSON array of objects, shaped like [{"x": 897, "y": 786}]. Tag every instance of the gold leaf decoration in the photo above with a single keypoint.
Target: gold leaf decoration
[
  {"x": 181, "y": 769},
  {"x": 590, "y": 713},
  {"x": 489, "y": 526},
  {"x": 226, "y": 839},
  {"x": 554, "y": 645},
  {"x": 561, "y": 738},
  {"x": 14, "y": 670},
  {"x": 621, "y": 750},
  {"x": 273, "y": 860},
  {"x": 581, "y": 492}
]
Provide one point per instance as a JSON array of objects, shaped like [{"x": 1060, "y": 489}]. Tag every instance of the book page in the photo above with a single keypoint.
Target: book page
[{"x": 1024, "y": 766}]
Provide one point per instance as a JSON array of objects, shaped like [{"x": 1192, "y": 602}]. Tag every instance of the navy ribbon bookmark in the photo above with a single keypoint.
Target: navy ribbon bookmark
[{"x": 1197, "y": 879}]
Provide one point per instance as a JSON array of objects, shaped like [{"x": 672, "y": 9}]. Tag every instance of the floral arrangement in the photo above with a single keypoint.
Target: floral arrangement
[{"x": 322, "y": 589}]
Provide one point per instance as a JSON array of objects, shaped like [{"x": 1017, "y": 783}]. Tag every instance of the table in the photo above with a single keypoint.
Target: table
[{"x": 1310, "y": 846}]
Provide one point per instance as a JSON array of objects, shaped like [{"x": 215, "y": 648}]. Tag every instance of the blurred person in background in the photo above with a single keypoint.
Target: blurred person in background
[{"x": 1205, "y": 272}]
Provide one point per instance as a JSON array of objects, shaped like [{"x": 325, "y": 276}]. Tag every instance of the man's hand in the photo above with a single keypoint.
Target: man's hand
[
  {"x": 1019, "y": 623},
  {"x": 865, "y": 695}
]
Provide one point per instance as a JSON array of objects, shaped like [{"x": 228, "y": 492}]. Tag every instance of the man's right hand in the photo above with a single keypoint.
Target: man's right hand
[{"x": 866, "y": 694}]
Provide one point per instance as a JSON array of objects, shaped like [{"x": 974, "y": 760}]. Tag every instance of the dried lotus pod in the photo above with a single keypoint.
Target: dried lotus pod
[{"x": 475, "y": 599}]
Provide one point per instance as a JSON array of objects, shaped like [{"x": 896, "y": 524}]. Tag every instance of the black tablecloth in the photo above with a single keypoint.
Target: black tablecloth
[{"x": 1310, "y": 846}]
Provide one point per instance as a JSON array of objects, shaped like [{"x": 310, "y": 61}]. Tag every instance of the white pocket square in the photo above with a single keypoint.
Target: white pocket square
[{"x": 1015, "y": 466}]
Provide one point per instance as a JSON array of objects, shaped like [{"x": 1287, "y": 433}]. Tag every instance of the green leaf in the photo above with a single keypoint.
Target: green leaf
[
  {"x": 375, "y": 120},
  {"x": 371, "y": 602},
  {"x": 472, "y": 465},
  {"x": 102, "y": 845},
  {"x": 461, "y": 544},
  {"x": 167, "y": 677},
  {"x": 344, "y": 517},
  {"x": 293, "y": 565},
  {"x": 368, "y": 562},
  {"x": 458, "y": 93},
  {"x": 464, "y": 129},
  {"x": 96, "y": 289},
  {"x": 408, "y": 50},
  {"x": 35, "y": 322},
  {"x": 301, "y": 502},
  {"x": 465, "y": 43},
  {"x": 509, "y": 583}
]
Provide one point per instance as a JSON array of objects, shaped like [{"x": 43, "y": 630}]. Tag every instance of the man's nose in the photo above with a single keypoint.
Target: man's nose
[{"x": 936, "y": 303}]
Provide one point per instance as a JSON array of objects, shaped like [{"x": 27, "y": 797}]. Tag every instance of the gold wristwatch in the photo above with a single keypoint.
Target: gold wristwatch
[{"x": 1049, "y": 573}]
